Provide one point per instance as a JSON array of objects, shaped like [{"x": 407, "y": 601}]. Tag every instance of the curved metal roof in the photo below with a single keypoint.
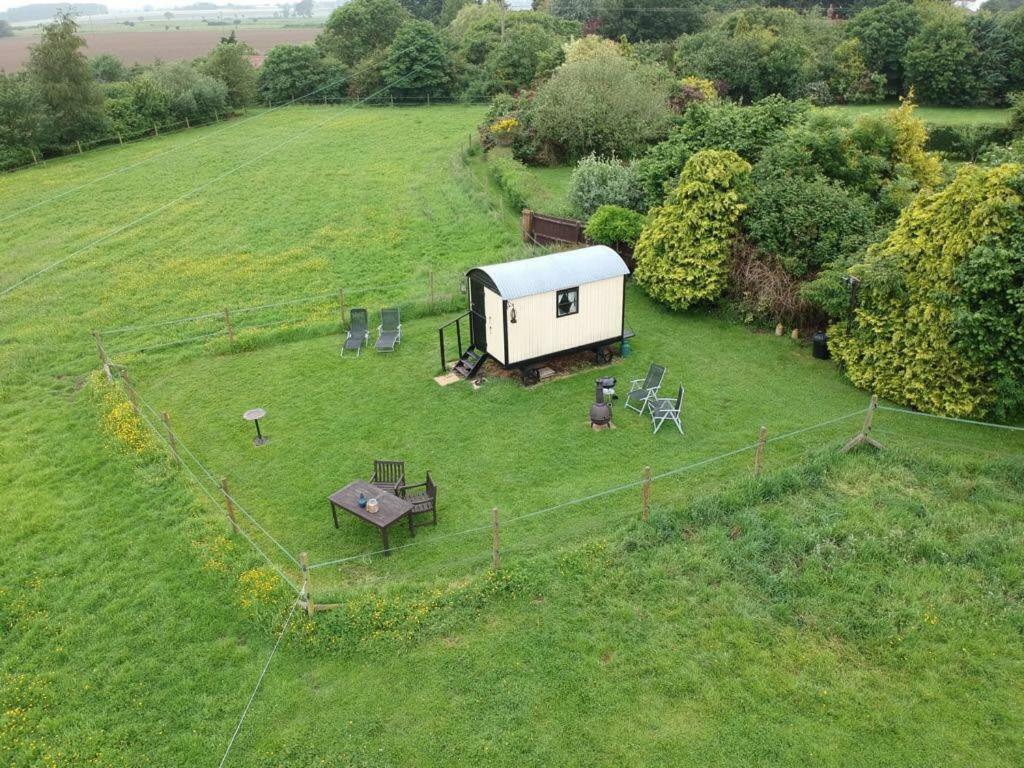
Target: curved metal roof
[{"x": 552, "y": 272}]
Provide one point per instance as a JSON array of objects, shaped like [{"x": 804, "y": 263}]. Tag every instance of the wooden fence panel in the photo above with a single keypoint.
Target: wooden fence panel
[{"x": 552, "y": 230}]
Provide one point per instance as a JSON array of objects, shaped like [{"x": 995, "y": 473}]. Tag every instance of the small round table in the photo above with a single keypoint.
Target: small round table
[{"x": 255, "y": 414}]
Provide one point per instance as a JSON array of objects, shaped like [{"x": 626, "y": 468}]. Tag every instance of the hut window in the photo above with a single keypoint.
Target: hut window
[{"x": 567, "y": 302}]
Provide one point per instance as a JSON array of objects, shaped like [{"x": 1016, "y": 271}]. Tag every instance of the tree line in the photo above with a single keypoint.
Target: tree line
[{"x": 461, "y": 49}]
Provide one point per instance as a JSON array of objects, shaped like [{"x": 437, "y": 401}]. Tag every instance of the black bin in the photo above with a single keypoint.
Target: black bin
[{"x": 819, "y": 346}]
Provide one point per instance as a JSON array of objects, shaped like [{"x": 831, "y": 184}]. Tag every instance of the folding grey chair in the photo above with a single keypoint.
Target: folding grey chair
[
  {"x": 389, "y": 332},
  {"x": 358, "y": 331},
  {"x": 666, "y": 409},
  {"x": 642, "y": 391}
]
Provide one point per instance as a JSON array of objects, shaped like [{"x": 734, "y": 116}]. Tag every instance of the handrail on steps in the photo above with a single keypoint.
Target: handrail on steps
[{"x": 457, "y": 322}]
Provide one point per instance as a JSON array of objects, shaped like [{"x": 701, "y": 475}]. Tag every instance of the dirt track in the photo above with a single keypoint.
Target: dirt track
[{"x": 143, "y": 47}]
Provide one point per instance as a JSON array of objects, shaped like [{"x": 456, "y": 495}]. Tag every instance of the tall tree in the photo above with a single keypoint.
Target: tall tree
[
  {"x": 417, "y": 62},
  {"x": 72, "y": 100},
  {"x": 229, "y": 63},
  {"x": 883, "y": 32},
  {"x": 428, "y": 10},
  {"x": 939, "y": 61},
  {"x": 361, "y": 27}
]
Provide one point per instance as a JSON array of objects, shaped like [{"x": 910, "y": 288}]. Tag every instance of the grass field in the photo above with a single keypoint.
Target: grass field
[
  {"x": 844, "y": 611},
  {"x": 937, "y": 115}
]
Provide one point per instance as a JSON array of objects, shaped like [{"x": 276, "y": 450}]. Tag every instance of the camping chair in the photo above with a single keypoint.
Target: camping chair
[
  {"x": 423, "y": 501},
  {"x": 642, "y": 391},
  {"x": 389, "y": 332},
  {"x": 663, "y": 409},
  {"x": 358, "y": 331},
  {"x": 388, "y": 475}
]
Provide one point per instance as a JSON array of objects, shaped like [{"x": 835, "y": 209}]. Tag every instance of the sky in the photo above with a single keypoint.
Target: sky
[{"x": 134, "y": 5}]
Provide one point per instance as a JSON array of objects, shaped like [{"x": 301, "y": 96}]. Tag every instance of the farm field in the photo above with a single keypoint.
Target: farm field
[
  {"x": 863, "y": 606},
  {"x": 144, "y": 46}
]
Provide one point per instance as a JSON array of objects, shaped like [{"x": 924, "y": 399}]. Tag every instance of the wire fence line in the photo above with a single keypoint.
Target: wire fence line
[
  {"x": 476, "y": 529},
  {"x": 153, "y": 131},
  {"x": 972, "y": 422},
  {"x": 259, "y": 683},
  {"x": 437, "y": 293},
  {"x": 199, "y": 188},
  {"x": 359, "y": 288},
  {"x": 287, "y": 580},
  {"x": 593, "y": 496},
  {"x": 238, "y": 505}
]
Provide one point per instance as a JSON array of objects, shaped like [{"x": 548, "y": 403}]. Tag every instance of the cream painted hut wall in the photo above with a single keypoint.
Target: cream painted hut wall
[
  {"x": 495, "y": 326},
  {"x": 538, "y": 331}
]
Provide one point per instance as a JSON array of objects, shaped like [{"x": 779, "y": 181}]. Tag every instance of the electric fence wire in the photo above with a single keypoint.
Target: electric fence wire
[
  {"x": 217, "y": 504},
  {"x": 259, "y": 682},
  {"x": 156, "y": 211},
  {"x": 202, "y": 138},
  {"x": 593, "y": 496},
  {"x": 893, "y": 409},
  {"x": 181, "y": 444},
  {"x": 361, "y": 288}
]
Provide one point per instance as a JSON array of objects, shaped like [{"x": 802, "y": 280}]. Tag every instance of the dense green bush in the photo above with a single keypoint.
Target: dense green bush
[
  {"x": 616, "y": 226},
  {"x": 759, "y": 52},
  {"x": 229, "y": 63},
  {"x": 804, "y": 222},
  {"x": 598, "y": 181},
  {"x": 20, "y": 111},
  {"x": 682, "y": 255},
  {"x": 605, "y": 105},
  {"x": 107, "y": 68},
  {"x": 940, "y": 324},
  {"x": 290, "y": 72},
  {"x": 165, "y": 95},
  {"x": 966, "y": 142},
  {"x": 747, "y": 131}
]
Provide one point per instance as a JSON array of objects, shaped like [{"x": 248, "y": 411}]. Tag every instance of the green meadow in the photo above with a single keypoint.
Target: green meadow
[{"x": 857, "y": 609}]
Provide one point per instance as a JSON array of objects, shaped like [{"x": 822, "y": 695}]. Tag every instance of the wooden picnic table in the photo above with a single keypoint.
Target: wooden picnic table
[{"x": 390, "y": 508}]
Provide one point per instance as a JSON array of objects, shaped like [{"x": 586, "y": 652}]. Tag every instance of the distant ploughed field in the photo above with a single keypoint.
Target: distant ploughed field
[{"x": 143, "y": 47}]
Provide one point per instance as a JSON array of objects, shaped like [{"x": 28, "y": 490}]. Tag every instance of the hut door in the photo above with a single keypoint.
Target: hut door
[{"x": 477, "y": 315}]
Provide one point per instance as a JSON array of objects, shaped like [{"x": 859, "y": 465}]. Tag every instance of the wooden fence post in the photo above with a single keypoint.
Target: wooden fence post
[
  {"x": 172, "y": 442},
  {"x": 230, "y": 328},
  {"x": 156, "y": 131},
  {"x": 304, "y": 594},
  {"x": 119, "y": 139},
  {"x": 495, "y": 541},
  {"x": 133, "y": 398},
  {"x": 647, "y": 494},
  {"x": 35, "y": 160},
  {"x": 864, "y": 436},
  {"x": 527, "y": 225},
  {"x": 103, "y": 355},
  {"x": 759, "y": 453},
  {"x": 187, "y": 124},
  {"x": 229, "y": 503},
  {"x": 79, "y": 146}
]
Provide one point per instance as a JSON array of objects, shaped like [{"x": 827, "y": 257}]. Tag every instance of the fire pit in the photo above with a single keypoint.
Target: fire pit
[{"x": 601, "y": 411}]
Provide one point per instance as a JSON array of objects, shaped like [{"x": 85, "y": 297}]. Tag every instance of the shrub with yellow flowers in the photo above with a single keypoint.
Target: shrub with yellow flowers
[
  {"x": 504, "y": 130},
  {"x": 119, "y": 418}
]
